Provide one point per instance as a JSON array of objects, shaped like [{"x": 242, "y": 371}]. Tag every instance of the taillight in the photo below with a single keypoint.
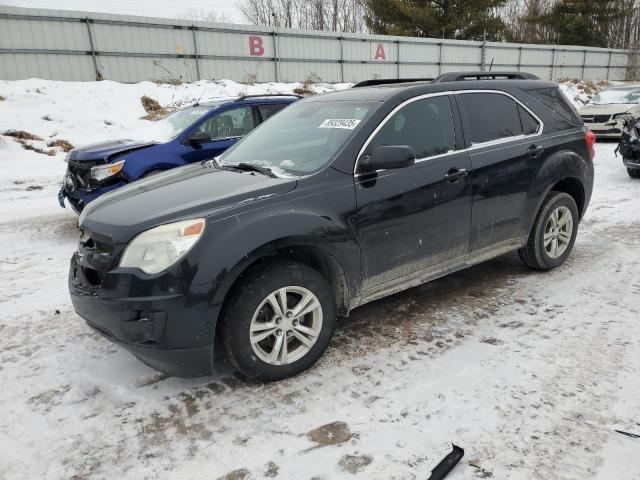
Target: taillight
[{"x": 590, "y": 139}]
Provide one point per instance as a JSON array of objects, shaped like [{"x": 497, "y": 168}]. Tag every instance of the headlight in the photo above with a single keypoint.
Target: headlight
[
  {"x": 105, "y": 171},
  {"x": 158, "y": 248},
  {"x": 619, "y": 116}
]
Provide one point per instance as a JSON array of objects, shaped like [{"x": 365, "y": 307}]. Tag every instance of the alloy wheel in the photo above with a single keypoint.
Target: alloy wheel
[
  {"x": 558, "y": 232},
  {"x": 286, "y": 325}
]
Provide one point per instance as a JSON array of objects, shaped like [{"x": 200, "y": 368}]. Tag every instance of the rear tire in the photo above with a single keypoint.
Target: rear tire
[
  {"x": 279, "y": 321},
  {"x": 553, "y": 234},
  {"x": 634, "y": 172}
]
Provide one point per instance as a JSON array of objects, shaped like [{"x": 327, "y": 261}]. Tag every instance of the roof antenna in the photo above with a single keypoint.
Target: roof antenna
[{"x": 198, "y": 101}]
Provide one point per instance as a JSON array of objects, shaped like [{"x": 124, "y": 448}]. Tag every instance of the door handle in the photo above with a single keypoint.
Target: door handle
[
  {"x": 455, "y": 174},
  {"x": 535, "y": 151}
]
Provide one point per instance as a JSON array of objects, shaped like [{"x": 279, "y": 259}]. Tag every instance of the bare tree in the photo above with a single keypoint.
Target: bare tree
[
  {"x": 332, "y": 15},
  {"x": 522, "y": 18},
  {"x": 204, "y": 16}
]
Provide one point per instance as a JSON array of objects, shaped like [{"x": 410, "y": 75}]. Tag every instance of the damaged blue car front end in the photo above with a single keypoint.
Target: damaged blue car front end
[
  {"x": 95, "y": 170},
  {"x": 193, "y": 134}
]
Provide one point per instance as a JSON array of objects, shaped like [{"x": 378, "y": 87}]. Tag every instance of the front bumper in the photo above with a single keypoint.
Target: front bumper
[
  {"x": 612, "y": 129},
  {"x": 168, "y": 330},
  {"x": 76, "y": 199},
  {"x": 633, "y": 164}
]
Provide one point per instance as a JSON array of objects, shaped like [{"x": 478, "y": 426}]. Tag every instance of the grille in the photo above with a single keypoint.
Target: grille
[
  {"x": 596, "y": 118},
  {"x": 92, "y": 241},
  {"x": 78, "y": 177}
]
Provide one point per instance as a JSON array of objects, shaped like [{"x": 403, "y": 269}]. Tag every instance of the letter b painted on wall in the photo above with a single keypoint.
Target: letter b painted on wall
[{"x": 256, "y": 47}]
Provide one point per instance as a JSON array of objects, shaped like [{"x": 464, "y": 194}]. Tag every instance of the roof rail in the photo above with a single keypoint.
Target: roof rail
[
  {"x": 387, "y": 81},
  {"x": 462, "y": 76},
  {"x": 242, "y": 97}
]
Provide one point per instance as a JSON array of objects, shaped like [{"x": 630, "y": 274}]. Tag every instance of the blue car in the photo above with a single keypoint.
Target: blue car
[{"x": 192, "y": 134}]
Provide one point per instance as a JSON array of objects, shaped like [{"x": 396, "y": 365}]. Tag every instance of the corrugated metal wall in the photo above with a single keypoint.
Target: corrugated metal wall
[{"x": 64, "y": 45}]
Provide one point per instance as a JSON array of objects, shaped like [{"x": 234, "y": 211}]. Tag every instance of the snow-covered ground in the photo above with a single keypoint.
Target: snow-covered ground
[{"x": 531, "y": 373}]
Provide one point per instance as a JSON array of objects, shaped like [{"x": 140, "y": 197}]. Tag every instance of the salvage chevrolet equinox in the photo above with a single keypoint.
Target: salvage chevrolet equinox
[{"x": 338, "y": 200}]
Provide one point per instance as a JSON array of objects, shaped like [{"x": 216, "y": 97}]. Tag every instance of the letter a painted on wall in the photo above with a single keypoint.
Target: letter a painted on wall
[
  {"x": 255, "y": 46},
  {"x": 380, "y": 55}
]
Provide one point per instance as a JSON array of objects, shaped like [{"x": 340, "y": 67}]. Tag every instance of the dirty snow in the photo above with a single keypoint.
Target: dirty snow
[{"x": 531, "y": 373}]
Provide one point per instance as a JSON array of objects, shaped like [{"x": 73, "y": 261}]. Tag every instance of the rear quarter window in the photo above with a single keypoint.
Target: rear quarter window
[
  {"x": 555, "y": 100},
  {"x": 530, "y": 125}
]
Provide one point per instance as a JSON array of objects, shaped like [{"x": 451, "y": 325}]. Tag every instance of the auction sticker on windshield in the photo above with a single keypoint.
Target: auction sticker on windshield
[{"x": 348, "y": 123}]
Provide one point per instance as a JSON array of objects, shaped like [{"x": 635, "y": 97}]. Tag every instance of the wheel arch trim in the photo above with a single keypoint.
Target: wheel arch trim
[{"x": 312, "y": 253}]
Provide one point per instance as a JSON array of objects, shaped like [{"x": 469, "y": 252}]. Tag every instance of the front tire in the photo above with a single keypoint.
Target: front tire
[
  {"x": 553, "y": 234},
  {"x": 634, "y": 172},
  {"x": 279, "y": 321}
]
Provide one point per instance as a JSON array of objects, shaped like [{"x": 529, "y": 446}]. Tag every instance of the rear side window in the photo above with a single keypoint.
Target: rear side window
[
  {"x": 425, "y": 125},
  {"x": 491, "y": 116},
  {"x": 553, "y": 98},
  {"x": 267, "y": 111},
  {"x": 529, "y": 124}
]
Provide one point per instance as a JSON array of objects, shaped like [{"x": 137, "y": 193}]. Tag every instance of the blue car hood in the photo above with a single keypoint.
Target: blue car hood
[{"x": 106, "y": 151}]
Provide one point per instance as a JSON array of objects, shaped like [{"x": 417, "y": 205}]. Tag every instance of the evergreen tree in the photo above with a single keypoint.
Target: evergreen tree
[
  {"x": 583, "y": 22},
  {"x": 460, "y": 19}
]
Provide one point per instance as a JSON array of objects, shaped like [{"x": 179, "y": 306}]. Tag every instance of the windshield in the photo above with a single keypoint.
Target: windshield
[
  {"x": 169, "y": 127},
  {"x": 302, "y": 138},
  {"x": 623, "y": 95}
]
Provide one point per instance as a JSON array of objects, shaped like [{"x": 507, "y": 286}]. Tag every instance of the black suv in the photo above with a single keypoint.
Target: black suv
[{"x": 338, "y": 200}]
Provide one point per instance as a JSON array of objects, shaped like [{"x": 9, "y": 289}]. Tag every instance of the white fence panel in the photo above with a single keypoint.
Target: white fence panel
[{"x": 84, "y": 46}]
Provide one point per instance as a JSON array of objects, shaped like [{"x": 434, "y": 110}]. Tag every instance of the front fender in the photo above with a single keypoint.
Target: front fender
[
  {"x": 140, "y": 162},
  {"x": 318, "y": 220}
]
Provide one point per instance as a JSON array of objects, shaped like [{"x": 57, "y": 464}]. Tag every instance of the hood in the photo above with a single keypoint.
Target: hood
[
  {"x": 185, "y": 192},
  {"x": 106, "y": 151},
  {"x": 610, "y": 109}
]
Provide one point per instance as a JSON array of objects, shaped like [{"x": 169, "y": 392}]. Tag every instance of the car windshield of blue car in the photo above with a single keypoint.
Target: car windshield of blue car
[
  {"x": 170, "y": 127},
  {"x": 617, "y": 95},
  {"x": 302, "y": 138}
]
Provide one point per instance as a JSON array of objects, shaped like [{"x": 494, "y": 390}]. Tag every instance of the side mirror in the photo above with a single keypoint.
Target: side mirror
[
  {"x": 388, "y": 157},
  {"x": 199, "y": 138}
]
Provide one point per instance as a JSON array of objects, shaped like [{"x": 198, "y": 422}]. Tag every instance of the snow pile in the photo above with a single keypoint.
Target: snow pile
[
  {"x": 87, "y": 112},
  {"x": 82, "y": 113}
]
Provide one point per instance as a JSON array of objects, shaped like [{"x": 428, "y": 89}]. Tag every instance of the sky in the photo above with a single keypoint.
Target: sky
[{"x": 152, "y": 8}]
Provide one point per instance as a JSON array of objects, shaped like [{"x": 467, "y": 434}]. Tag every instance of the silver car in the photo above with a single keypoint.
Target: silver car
[{"x": 603, "y": 114}]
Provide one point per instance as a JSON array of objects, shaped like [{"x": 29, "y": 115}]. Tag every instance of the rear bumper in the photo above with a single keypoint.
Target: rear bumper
[{"x": 171, "y": 332}]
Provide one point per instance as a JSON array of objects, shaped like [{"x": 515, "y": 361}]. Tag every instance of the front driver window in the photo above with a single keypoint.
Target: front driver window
[
  {"x": 229, "y": 124},
  {"x": 425, "y": 125}
]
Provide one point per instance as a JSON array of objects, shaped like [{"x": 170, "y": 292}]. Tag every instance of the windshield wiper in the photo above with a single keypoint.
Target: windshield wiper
[
  {"x": 212, "y": 162},
  {"x": 256, "y": 168}
]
